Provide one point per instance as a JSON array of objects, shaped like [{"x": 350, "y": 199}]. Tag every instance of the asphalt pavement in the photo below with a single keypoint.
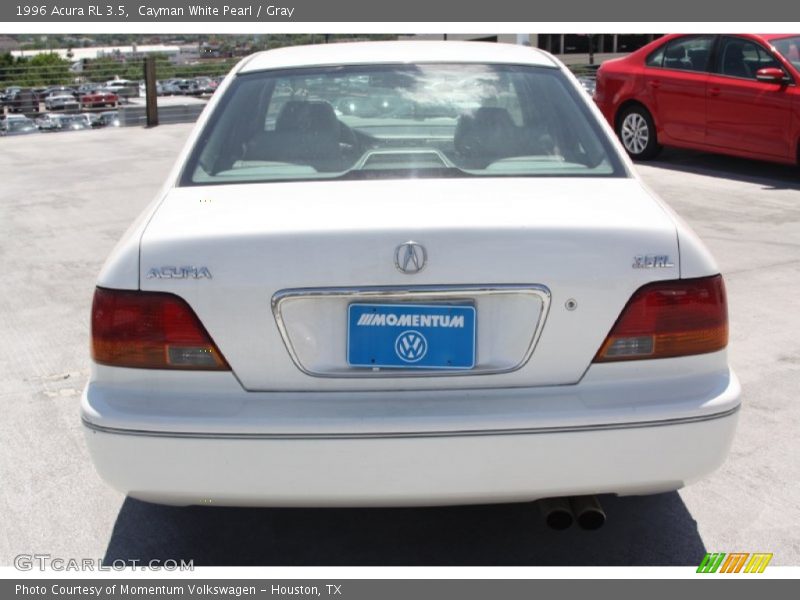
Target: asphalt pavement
[{"x": 66, "y": 198}]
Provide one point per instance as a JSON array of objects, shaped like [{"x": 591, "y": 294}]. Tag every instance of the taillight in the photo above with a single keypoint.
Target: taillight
[
  {"x": 670, "y": 318},
  {"x": 150, "y": 330}
]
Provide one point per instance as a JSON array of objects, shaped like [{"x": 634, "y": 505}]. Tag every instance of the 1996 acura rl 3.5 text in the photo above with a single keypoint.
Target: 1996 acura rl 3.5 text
[{"x": 406, "y": 274}]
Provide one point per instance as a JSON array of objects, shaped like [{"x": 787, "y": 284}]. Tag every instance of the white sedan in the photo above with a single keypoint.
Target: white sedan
[
  {"x": 457, "y": 292},
  {"x": 61, "y": 102}
]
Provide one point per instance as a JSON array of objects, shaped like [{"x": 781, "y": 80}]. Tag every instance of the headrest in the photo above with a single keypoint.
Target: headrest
[
  {"x": 486, "y": 133},
  {"x": 306, "y": 116},
  {"x": 675, "y": 52}
]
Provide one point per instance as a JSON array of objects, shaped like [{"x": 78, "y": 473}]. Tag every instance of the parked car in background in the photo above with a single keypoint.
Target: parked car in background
[
  {"x": 170, "y": 88},
  {"x": 181, "y": 87},
  {"x": 109, "y": 119},
  {"x": 8, "y": 95},
  {"x": 476, "y": 300},
  {"x": 92, "y": 119},
  {"x": 191, "y": 87},
  {"x": 73, "y": 122},
  {"x": 57, "y": 90},
  {"x": 68, "y": 122},
  {"x": 40, "y": 93},
  {"x": 98, "y": 98},
  {"x": 730, "y": 94},
  {"x": 24, "y": 101},
  {"x": 61, "y": 102},
  {"x": 17, "y": 126},
  {"x": 49, "y": 123},
  {"x": 120, "y": 83},
  {"x": 123, "y": 88},
  {"x": 205, "y": 85}
]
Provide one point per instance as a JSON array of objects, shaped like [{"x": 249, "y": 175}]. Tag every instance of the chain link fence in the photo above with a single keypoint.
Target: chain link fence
[{"x": 63, "y": 96}]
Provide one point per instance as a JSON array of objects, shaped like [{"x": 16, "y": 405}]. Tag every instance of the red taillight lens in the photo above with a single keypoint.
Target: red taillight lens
[
  {"x": 150, "y": 330},
  {"x": 670, "y": 318}
]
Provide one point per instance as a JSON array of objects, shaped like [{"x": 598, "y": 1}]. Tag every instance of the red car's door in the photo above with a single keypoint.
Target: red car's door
[
  {"x": 745, "y": 114},
  {"x": 675, "y": 77}
]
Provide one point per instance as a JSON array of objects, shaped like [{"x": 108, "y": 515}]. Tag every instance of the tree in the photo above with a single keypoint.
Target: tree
[
  {"x": 103, "y": 69},
  {"x": 6, "y": 66},
  {"x": 42, "y": 69}
]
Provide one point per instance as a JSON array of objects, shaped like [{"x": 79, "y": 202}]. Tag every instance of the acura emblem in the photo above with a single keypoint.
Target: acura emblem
[{"x": 410, "y": 257}]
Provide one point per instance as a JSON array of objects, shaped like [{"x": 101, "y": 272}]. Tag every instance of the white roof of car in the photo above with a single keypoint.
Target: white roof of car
[{"x": 357, "y": 53}]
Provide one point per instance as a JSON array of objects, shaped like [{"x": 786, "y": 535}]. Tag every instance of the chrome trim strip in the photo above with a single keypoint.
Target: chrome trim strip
[
  {"x": 414, "y": 434},
  {"x": 427, "y": 293}
]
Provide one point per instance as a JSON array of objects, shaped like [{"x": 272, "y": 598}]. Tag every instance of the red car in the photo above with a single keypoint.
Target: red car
[
  {"x": 730, "y": 94},
  {"x": 98, "y": 98}
]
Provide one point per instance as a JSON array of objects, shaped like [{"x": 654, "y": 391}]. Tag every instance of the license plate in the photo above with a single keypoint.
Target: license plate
[{"x": 411, "y": 336}]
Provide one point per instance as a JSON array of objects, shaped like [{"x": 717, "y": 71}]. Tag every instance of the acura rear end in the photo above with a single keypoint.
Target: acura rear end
[{"x": 406, "y": 274}]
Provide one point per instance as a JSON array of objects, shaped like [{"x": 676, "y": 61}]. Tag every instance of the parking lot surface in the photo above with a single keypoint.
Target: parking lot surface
[{"x": 64, "y": 202}]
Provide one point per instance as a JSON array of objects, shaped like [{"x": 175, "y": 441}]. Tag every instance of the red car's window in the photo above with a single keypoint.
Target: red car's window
[
  {"x": 656, "y": 59},
  {"x": 683, "y": 54},
  {"x": 742, "y": 58}
]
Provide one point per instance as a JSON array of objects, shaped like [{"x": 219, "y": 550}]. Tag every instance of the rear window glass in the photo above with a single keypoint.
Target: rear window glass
[
  {"x": 685, "y": 54},
  {"x": 656, "y": 59},
  {"x": 400, "y": 121}
]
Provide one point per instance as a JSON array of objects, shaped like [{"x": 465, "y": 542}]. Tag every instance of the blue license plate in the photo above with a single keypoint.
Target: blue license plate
[{"x": 411, "y": 336}]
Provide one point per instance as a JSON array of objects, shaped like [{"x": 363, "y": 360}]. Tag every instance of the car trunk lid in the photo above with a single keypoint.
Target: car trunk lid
[{"x": 272, "y": 271}]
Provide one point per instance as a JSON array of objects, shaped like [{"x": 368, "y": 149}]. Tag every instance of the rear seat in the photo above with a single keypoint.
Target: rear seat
[
  {"x": 675, "y": 58},
  {"x": 306, "y": 132},
  {"x": 699, "y": 58},
  {"x": 490, "y": 134}
]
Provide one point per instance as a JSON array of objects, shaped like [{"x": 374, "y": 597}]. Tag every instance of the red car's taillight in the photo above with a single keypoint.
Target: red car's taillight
[
  {"x": 150, "y": 330},
  {"x": 670, "y": 318}
]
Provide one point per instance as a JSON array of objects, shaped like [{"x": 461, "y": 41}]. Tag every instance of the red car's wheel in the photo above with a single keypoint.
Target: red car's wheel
[{"x": 637, "y": 132}]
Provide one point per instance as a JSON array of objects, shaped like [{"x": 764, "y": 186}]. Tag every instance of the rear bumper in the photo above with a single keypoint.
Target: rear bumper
[
  {"x": 625, "y": 429},
  {"x": 251, "y": 470}
]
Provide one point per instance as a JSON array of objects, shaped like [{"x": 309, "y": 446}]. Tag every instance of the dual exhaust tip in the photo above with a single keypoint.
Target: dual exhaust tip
[{"x": 560, "y": 513}]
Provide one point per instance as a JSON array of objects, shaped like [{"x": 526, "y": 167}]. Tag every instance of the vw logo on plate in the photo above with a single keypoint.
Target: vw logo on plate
[{"x": 411, "y": 346}]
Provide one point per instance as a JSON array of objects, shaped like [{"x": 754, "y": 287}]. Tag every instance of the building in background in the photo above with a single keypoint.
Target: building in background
[
  {"x": 571, "y": 48},
  {"x": 7, "y": 44},
  {"x": 133, "y": 51}
]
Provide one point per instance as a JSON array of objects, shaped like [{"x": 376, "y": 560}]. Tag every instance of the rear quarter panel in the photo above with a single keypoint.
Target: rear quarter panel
[{"x": 618, "y": 81}]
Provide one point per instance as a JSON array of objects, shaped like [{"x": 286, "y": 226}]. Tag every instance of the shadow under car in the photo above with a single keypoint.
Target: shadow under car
[{"x": 640, "y": 530}]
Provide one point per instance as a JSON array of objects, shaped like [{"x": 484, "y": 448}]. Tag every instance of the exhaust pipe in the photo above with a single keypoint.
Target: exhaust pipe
[
  {"x": 588, "y": 512},
  {"x": 557, "y": 513}
]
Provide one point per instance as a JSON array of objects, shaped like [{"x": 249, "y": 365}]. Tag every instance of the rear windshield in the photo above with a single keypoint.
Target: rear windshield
[{"x": 400, "y": 121}]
